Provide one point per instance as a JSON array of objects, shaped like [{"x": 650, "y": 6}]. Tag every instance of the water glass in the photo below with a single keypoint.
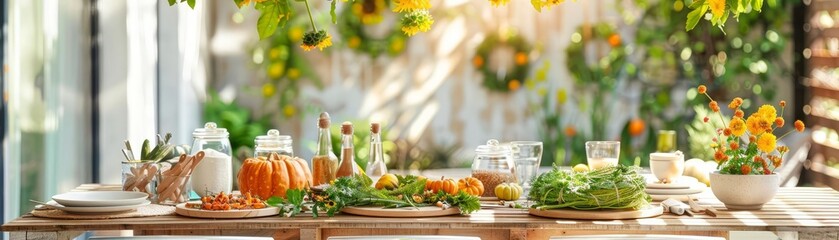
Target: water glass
[
  {"x": 602, "y": 154},
  {"x": 527, "y": 156}
]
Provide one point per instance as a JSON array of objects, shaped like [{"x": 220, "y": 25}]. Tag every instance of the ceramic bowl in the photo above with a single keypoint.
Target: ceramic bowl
[
  {"x": 744, "y": 192},
  {"x": 667, "y": 166}
]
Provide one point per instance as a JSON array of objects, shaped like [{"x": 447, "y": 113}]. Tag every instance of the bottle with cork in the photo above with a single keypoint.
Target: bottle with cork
[
  {"x": 376, "y": 164},
  {"x": 347, "y": 167},
  {"x": 325, "y": 163}
]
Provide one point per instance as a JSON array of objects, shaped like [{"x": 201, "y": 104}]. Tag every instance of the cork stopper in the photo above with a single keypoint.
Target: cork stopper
[
  {"x": 346, "y": 128},
  {"x": 323, "y": 121},
  {"x": 374, "y": 128}
]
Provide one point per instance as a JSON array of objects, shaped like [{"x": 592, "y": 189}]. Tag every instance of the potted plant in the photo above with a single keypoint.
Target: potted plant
[{"x": 747, "y": 153}]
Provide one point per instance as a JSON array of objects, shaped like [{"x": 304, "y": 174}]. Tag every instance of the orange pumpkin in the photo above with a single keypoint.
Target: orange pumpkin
[
  {"x": 471, "y": 185},
  {"x": 273, "y": 176},
  {"x": 447, "y": 185}
]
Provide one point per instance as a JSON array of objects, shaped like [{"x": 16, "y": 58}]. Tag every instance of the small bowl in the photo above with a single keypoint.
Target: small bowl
[{"x": 667, "y": 166}]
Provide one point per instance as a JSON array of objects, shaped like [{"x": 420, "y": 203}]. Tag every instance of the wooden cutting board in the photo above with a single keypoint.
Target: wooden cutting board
[
  {"x": 182, "y": 210},
  {"x": 406, "y": 212},
  {"x": 653, "y": 210}
]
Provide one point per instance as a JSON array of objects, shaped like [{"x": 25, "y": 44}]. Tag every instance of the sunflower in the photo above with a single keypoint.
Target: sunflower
[
  {"x": 369, "y": 11},
  {"x": 319, "y": 39},
  {"x": 717, "y": 8},
  {"x": 766, "y": 142},
  {"x": 411, "y": 5},
  {"x": 416, "y": 21}
]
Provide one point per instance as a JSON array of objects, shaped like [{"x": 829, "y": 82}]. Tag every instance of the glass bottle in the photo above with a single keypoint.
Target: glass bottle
[
  {"x": 325, "y": 163},
  {"x": 494, "y": 165},
  {"x": 348, "y": 167},
  {"x": 376, "y": 164},
  {"x": 273, "y": 142},
  {"x": 214, "y": 173}
]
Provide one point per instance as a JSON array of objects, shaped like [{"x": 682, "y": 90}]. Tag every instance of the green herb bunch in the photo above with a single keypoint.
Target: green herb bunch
[
  {"x": 357, "y": 191},
  {"x": 619, "y": 187}
]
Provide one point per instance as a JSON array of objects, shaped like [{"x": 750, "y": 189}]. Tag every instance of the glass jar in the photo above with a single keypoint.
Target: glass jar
[
  {"x": 273, "y": 142},
  {"x": 214, "y": 173},
  {"x": 140, "y": 176},
  {"x": 494, "y": 165}
]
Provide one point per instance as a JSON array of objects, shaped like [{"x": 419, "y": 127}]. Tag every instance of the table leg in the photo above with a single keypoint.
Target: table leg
[{"x": 64, "y": 235}]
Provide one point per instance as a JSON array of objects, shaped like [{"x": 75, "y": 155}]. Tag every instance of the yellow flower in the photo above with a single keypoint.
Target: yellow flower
[
  {"x": 737, "y": 126},
  {"x": 416, "y": 21},
  {"x": 268, "y": 90},
  {"x": 539, "y": 4},
  {"x": 561, "y": 96},
  {"x": 766, "y": 142},
  {"x": 411, "y": 5},
  {"x": 354, "y": 42},
  {"x": 499, "y": 2},
  {"x": 289, "y": 110},
  {"x": 767, "y": 112},
  {"x": 319, "y": 39},
  {"x": 397, "y": 44},
  {"x": 276, "y": 70},
  {"x": 758, "y": 124},
  {"x": 369, "y": 11},
  {"x": 274, "y": 53},
  {"x": 717, "y": 7},
  {"x": 293, "y": 73}
]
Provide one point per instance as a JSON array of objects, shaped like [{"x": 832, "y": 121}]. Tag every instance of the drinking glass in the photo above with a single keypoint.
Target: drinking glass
[
  {"x": 527, "y": 156},
  {"x": 602, "y": 154},
  {"x": 666, "y": 141}
]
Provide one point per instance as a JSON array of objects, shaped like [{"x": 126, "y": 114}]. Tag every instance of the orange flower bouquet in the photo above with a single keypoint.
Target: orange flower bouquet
[{"x": 748, "y": 146}]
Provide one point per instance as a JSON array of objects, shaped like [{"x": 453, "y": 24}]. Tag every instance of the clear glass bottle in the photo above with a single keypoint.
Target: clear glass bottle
[
  {"x": 376, "y": 164},
  {"x": 494, "y": 165},
  {"x": 325, "y": 163},
  {"x": 347, "y": 167},
  {"x": 214, "y": 173},
  {"x": 273, "y": 142}
]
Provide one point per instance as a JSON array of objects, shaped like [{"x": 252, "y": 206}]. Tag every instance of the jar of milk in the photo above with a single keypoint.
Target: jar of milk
[{"x": 214, "y": 173}]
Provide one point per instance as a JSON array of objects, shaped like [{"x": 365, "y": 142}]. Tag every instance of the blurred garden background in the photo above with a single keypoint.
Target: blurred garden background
[{"x": 100, "y": 72}]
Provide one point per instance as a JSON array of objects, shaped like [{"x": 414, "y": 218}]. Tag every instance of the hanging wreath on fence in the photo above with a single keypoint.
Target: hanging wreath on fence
[
  {"x": 363, "y": 28},
  {"x": 504, "y": 70},
  {"x": 605, "y": 44}
]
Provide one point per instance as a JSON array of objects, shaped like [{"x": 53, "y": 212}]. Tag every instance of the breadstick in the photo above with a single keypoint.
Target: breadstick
[{"x": 175, "y": 181}]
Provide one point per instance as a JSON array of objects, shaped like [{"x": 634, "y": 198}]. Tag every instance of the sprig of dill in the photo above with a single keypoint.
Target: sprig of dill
[{"x": 619, "y": 187}]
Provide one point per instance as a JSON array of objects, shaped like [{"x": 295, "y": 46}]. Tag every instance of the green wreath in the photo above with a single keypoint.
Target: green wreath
[
  {"x": 366, "y": 13},
  {"x": 511, "y": 80},
  {"x": 605, "y": 70}
]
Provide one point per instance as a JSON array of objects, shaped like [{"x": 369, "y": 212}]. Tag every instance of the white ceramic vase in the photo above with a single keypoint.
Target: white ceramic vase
[{"x": 744, "y": 192}]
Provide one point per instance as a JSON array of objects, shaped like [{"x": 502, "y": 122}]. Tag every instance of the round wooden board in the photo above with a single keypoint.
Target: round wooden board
[
  {"x": 651, "y": 211},
  {"x": 406, "y": 212},
  {"x": 182, "y": 210}
]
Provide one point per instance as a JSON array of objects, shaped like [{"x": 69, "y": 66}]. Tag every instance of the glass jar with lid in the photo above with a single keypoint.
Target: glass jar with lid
[
  {"x": 214, "y": 173},
  {"x": 493, "y": 165},
  {"x": 273, "y": 142}
]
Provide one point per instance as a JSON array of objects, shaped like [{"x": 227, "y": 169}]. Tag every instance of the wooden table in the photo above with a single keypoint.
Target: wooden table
[{"x": 795, "y": 213}]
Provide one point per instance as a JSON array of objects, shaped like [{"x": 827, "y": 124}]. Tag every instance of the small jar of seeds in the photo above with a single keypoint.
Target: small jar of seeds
[{"x": 493, "y": 165}]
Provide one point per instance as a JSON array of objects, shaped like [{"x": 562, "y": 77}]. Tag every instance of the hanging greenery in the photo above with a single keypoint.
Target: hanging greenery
[
  {"x": 276, "y": 13},
  {"x": 505, "y": 78},
  {"x": 364, "y": 14}
]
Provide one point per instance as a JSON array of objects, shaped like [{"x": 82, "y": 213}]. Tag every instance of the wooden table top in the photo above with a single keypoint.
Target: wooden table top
[{"x": 793, "y": 209}]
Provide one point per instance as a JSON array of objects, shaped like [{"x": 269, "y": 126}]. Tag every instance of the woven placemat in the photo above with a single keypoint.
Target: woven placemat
[{"x": 145, "y": 211}]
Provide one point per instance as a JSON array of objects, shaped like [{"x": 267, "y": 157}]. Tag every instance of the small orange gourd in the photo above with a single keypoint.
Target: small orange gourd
[
  {"x": 447, "y": 185},
  {"x": 471, "y": 185},
  {"x": 273, "y": 176}
]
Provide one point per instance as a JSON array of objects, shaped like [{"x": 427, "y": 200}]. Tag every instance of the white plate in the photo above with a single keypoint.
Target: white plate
[
  {"x": 110, "y": 209},
  {"x": 681, "y": 198},
  {"x": 682, "y": 182},
  {"x": 100, "y": 198},
  {"x": 696, "y": 188}
]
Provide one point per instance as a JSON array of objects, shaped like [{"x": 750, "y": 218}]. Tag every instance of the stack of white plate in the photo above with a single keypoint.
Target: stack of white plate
[
  {"x": 98, "y": 202},
  {"x": 681, "y": 188}
]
